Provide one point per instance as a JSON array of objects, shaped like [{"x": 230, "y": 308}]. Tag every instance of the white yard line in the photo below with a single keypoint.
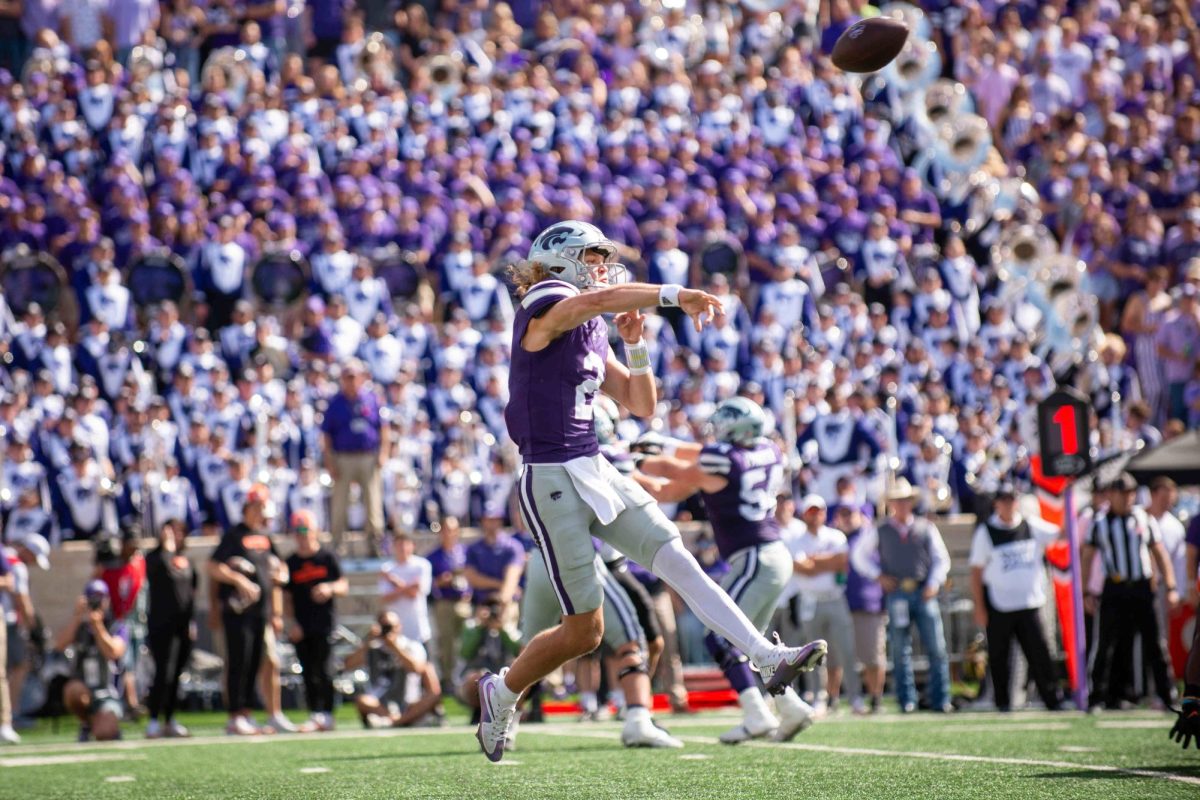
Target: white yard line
[
  {"x": 313, "y": 770},
  {"x": 120, "y": 779},
  {"x": 71, "y": 758},
  {"x": 1020, "y": 762}
]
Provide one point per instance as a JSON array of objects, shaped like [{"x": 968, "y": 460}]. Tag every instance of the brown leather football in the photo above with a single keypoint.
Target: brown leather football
[{"x": 869, "y": 44}]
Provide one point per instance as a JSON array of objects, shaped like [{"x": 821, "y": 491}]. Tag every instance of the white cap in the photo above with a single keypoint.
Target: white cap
[
  {"x": 812, "y": 501},
  {"x": 36, "y": 544}
]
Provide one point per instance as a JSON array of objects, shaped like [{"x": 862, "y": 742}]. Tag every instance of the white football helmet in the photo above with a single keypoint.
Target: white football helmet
[
  {"x": 560, "y": 250},
  {"x": 738, "y": 420}
]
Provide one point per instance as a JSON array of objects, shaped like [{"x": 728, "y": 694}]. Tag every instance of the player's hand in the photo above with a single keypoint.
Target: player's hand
[
  {"x": 630, "y": 325},
  {"x": 700, "y": 306},
  {"x": 649, "y": 444},
  {"x": 888, "y": 583},
  {"x": 1187, "y": 727}
]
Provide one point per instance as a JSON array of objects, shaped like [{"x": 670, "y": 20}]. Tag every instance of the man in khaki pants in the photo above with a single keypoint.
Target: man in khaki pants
[{"x": 355, "y": 443}]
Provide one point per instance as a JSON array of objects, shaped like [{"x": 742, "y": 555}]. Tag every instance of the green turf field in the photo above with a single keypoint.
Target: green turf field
[{"x": 968, "y": 755}]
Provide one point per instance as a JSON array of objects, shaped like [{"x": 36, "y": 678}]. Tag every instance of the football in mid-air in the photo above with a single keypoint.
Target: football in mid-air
[{"x": 869, "y": 44}]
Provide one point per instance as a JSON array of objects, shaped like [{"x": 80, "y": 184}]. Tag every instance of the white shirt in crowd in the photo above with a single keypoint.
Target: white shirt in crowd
[
  {"x": 413, "y": 611},
  {"x": 803, "y": 543},
  {"x": 1014, "y": 573}
]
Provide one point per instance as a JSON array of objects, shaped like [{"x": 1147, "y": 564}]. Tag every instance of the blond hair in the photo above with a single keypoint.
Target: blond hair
[{"x": 524, "y": 274}]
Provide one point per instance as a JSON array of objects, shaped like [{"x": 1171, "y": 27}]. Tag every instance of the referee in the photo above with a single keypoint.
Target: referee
[{"x": 1126, "y": 537}]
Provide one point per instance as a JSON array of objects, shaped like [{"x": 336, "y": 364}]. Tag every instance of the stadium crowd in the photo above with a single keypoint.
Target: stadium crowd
[{"x": 714, "y": 141}]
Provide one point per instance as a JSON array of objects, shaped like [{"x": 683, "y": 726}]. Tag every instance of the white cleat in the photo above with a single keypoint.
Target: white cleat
[
  {"x": 8, "y": 735},
  {"x": 644, "y": 733},
  {"x": 784, "y": 663},
  {"x": 495, "y": 719},
  {"x": 793, "y": 719},
  {"x": 240, "y": 726},
  {"x": 750, "y": 728}
]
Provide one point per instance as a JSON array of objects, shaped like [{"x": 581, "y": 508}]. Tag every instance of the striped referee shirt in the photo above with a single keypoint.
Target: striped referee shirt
[{"x": 1124, "y": 544}]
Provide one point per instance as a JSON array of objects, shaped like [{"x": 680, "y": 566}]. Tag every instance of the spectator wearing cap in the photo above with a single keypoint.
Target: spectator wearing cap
[
  {"x": 820, "y": 557},
  {"x": 1179, "y": 348},
  {"x": 355, "y": 446},
  {"x": 170, "y": 628},
  {"x": 907, "y": 556},
  {"x": 865, "y": 599},
  {"x": 1008, "y": 585},
  {"x": 314, "y": 580},
  {"x": 91, "y": 692},
  {"x": 122, "y": 567},
  {"x": 1126, "y": 538},
  {"x": 16, "y": 605}
]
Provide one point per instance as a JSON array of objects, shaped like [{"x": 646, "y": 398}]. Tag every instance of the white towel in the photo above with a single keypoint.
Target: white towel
[{"x": 593, "y": 480}]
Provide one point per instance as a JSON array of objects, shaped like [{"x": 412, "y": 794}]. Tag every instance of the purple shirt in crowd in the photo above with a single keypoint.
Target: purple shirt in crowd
[
  {"x": 444, "y": 561},
  {"x": 492, "y": 560},
  {"x": 862, "y": 593},
  {"x": 1180, "y": 334},
  {"x": 353, "y": 425}
]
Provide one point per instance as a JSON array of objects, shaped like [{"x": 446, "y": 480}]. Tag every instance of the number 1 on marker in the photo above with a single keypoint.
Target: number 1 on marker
[{"x": 1064, "y": 418}]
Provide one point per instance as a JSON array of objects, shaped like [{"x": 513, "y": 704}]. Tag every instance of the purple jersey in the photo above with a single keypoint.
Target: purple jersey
[
  {"x": 549, "y": 413},
  {"x": 743, "y": 513}
]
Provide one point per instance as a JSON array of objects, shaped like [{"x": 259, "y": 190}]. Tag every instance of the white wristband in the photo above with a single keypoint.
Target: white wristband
[
  {"x": 637, "y": 356},
  {"x": 668, "y": 295}
]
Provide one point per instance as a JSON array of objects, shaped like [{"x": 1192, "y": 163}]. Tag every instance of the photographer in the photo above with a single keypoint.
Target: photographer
[
  {"x": 487, "y": 644},
  {"x": 122, "y": 567},
  {"x": 96, "y": 648},
  {"x": 242, "y": 567},
  {"x": 315, "y": 579},
  {"x": 172, "y": 581},
  {"x": 393, "y": 662}
]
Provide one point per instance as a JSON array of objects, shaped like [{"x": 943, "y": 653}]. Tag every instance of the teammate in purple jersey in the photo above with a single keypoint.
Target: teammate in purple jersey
[
  {"x": 738, "y": 478},
  {"x": 567, "y": 491}
]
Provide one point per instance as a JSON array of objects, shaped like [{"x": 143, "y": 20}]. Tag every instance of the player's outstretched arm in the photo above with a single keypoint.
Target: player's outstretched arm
[{"x": 572, "y": 312}]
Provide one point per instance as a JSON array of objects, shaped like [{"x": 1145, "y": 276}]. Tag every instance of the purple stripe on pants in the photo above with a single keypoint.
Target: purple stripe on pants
[{"x": 543, "y": 541}]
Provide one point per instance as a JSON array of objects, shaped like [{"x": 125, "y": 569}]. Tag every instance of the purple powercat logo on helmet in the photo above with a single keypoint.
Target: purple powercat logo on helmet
[{"x": 556, "y": 236}]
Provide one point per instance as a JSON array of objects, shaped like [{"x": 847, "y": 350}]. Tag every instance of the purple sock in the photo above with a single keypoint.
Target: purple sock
[{"x": 740, "y": 676}]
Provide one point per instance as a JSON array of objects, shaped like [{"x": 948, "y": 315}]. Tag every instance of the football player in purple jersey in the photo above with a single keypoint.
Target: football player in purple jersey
[
  {"x": 738, "y": 478},
  {"x": 567, "y": 491}
]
